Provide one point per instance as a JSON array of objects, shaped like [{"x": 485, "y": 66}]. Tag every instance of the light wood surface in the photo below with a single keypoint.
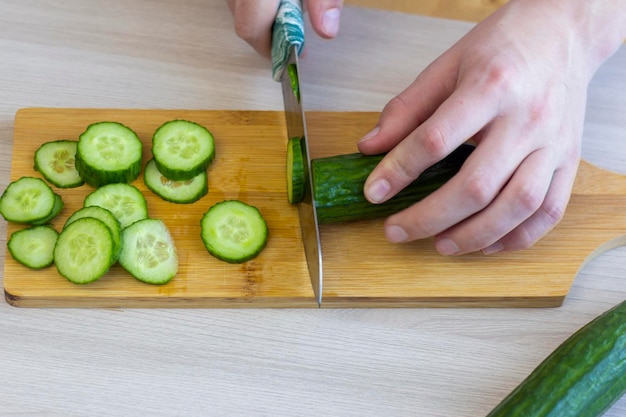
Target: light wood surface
[{"x": 264, "y": 362}]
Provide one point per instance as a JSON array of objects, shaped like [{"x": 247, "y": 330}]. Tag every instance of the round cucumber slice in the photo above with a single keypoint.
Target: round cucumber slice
[
  {"x": 34, "y": 246},
  {"x": 107, "y": 218},
  {"x": 108, "y": 152},
  {"x": 125, "y": 201},
  {"x": 56, "y": 162},
  {"x": 27, "y": 200},
  {"x": 148, "y": 252},
  {"x": 182, "y": 149},
  {"x": 234, "y": 231},
  {"x": 181, "y": 192},
  {"x": 84, "y": 250}
]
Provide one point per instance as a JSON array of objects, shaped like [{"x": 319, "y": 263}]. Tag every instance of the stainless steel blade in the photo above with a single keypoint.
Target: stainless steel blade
[
  {"x": 287, "y": 43},
  {"x": 296, "y": 127}
]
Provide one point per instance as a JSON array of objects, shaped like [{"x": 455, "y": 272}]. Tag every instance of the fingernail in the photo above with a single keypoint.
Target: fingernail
[
  {"x": 377, "y": 191},
  {"x": 396, "y": 234},
  {"x": 447, "y": 247},
  {"x": 369, "y": 135},
  {"x": 495, "y": 248},
  {"x": 330, "y": 21}
]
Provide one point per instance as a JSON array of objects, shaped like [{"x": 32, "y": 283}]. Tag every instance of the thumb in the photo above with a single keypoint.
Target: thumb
[{"x": 325, "y": 16}]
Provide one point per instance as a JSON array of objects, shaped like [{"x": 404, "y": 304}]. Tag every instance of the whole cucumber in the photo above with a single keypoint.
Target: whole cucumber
[{"x": 583, "y": 377}]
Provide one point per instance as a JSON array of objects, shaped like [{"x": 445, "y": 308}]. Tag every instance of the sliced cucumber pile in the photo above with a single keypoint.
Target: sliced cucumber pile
[
  {"x": 34, "y": 246},
  {"x": 56, "y": 161},
  {"x": 182, "y": 149},
  {"x": 148, "y": 252},
  {"x": 108, "y": 152},
  {"x": 113, "y": 224},
  {"x": 234, "y": 231}
]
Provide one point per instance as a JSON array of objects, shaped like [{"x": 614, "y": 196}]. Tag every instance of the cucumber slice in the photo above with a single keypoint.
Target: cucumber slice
[
  {"x": 108, "y": 152},
  {"x": 106, "y": 217},
  {"x": 295, "y": 171},
  {"x": 182, "y": 149},
  {"x": 56, "y": 162},
  {"x": 125, "y": 201},
  {"x": 27, "y": 200},
  {"x": 84, "y": 250},
  {"x": 56, "y": 209},
  {"x": 148, "y": 252},
  {"x": 181, "y": 192},
  {"x": 34, "y": 246},
  {"x": 234, "y": 231}
]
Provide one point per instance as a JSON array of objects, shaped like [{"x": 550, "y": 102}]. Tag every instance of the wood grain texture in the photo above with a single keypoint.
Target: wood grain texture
[
  {"x": 468, "y": 10},
  {"x": 361, "y": 269}
]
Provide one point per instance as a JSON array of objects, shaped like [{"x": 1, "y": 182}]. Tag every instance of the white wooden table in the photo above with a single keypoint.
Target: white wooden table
[{"x": 276, "y": 362}]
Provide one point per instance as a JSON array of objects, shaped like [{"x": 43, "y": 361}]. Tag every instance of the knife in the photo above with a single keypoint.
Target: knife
[{"x": 287, "y": 44}]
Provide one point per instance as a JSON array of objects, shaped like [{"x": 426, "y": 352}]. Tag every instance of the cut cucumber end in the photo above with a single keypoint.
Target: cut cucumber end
[
  {"x": 234, "y": 231},
  {"x": 108, "y": 219},
  {"x": 295, "y": 171}
]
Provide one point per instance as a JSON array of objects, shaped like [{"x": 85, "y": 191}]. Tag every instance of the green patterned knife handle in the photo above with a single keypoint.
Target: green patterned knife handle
[{"x": 288, "y": 30}]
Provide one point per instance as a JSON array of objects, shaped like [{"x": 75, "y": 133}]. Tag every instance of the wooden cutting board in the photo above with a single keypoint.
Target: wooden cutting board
[{"x": 361, "y": 269}]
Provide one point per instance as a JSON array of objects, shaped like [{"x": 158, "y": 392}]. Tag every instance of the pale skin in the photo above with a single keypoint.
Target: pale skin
[{"x": 516, "y": 85}]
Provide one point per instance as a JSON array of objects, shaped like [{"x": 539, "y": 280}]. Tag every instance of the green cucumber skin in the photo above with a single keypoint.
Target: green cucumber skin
[
  {"x": 338, "y": 185},
  {"x": 98, "y": 177},
  {"x": 583, "y": 377}
]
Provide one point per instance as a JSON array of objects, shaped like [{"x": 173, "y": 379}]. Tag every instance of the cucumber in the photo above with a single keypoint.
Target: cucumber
[
  {"x": 338, "y": 185},
  {"x": 56, "y": 209},
  {"x": 56, "y": 162},
  {"x": 182, "y": 149},
  {"x": 583, "y": 377},
  {"x": 181, "y": 192},
  {"x": 34, "y": 246},
  {"x": 148, "y": 252},
  {"x": 125, "y": 201},
  {"x": 234, "y": 231},
  {"x": 296, "y": 177},
  {"x": 84, "y": 250},
  {"x": 108, "y": 152},
  {"x": 108, "y": 219},
  {"x": 28, "y": 200}
]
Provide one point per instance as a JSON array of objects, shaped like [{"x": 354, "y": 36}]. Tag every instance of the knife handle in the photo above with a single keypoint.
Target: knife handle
[{"x": 287, "y": 31}]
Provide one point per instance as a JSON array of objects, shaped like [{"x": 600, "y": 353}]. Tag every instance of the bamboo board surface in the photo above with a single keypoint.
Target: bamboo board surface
[{"x": 361, "y": 269}]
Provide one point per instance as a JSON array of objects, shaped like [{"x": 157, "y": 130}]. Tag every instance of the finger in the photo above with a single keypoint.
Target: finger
[
  {"x": 474, "y": 187},
  {"x": 325, "y": 16},
  {"x": 253, "y": 22},
  {"x": 543, "y": 220},
  {"x": 405, "y": 112},
  {"x": 457, "y": 119},
  {"x": 522, "y": 196}
]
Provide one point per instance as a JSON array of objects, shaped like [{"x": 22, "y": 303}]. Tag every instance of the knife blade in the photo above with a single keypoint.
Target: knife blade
[{"x": 287, "y": 43}]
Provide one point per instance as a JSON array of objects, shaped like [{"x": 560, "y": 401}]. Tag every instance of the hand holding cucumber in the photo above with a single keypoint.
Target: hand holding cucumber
[{"x": 515, "y": 84}]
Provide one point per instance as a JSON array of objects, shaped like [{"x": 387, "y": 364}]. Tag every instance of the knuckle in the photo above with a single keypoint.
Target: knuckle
[
  {"x": 480, "y": 189},
  {"x": 434, "y": 142},
  {"x": 528, "y": 200},
  {"x": 553, "y": 212}
]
